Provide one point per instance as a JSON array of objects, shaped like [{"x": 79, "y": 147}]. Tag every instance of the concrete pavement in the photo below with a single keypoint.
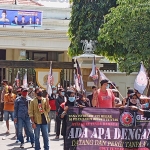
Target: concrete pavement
[{"x": 10, "y": 143}]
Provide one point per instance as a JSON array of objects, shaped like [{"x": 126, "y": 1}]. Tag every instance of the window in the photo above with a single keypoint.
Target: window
[{"x": 37, "y": 56}]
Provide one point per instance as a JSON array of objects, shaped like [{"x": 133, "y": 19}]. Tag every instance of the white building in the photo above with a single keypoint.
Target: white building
[{"x": 47, "y": 43}]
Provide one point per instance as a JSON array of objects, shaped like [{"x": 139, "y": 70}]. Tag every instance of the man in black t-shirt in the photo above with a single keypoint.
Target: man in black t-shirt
[{"x": 90, "y": 97}]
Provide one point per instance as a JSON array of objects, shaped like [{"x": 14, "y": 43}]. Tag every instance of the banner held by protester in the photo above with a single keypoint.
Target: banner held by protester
[{"x": 111, "y": 129}]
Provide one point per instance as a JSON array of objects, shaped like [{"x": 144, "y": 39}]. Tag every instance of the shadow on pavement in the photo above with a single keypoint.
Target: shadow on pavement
[
  {"x": 16, "y": 148},
  {"x": 52, "y": 134},
  {"x": 4, "y": 134}
]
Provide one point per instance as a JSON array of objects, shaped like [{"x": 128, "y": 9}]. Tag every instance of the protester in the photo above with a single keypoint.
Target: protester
[
  {"x": 4, "y": 91},
  {"x": 60, "y": 99},
  {"x": 133, "y": 100},
  {"x": 144, "y": 100},
  {"x": 118, "y": 102},
  {"x": 9, "y": 100},
  {"x": 103, "y": 97},
  {"x": 21, "y": 117},
  {"x": 31, "y": 90},
  {"x": 112, "y": 85},
  {"x": 52, "y": 103},
  {"x": 62, "y": 112},
  {"x": 145, "y": 113},
  {"x": 137, "y": 93},
  {"x": 38, "y": 112},
  {"x": 82, "y": 101},
  {"x": 90, "y": 97},
  {"x": 26, "y": 133},
  {"x": 130, "y": 91},
  {"x": 16, "y": 126},
  {"x": 19, "y": 91}
]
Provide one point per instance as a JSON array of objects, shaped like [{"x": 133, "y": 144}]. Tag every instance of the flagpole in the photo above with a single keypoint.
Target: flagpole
[{"x": 117, "y": 90}]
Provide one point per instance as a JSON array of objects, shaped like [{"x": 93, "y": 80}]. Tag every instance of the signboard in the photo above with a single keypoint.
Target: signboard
[
  {"x": 106, "y": 129},
  {"x": 20, "y": 18},
  {"x": 42, "y": 75}
]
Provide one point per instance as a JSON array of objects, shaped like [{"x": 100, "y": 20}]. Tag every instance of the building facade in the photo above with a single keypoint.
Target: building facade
[{"x": 47, "y": 43}]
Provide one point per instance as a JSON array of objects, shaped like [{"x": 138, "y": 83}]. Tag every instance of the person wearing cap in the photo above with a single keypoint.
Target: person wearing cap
[
  {"x": 130, "y": 91},
  {"x": 38, "y": 112},
  {"x": 4, "y": 91},
  {"x": 31, "y": 90},
  {"x": 21, "y": 117},
  {"x": 103, "y": 97},
  {"x": 4, "y": 15},
  {"x": 9, "y": 100},
  {"x": 60, "y": 99},
  {"x": 90, "y": 97},
  {"x": 62, "y": 113},
  {"x": 52, "y": 103}
]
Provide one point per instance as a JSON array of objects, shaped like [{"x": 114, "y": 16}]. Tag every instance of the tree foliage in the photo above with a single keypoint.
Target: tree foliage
[
  {"x": 86, "y": 18},
  {"x": 125, "y": 35}
]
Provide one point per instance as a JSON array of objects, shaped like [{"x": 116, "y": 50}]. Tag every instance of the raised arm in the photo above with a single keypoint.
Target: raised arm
[{"x": 95, "y": 99}]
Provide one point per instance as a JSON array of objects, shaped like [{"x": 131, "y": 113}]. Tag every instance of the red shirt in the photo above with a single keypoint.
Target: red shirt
[
  {"x": 52, "y": 104},
  {"x": 105, "y": 99}
]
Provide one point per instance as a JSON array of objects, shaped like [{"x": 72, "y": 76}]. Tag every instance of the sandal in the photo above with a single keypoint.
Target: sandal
[
  {"x": 7, "y": 132},
  {"x": 57, "y": 137}
]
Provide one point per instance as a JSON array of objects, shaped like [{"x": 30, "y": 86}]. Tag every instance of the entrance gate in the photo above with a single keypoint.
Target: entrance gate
[{"x": 9, "y": 69}]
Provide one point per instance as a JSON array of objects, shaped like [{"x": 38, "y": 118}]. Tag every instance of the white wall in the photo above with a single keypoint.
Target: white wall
[{"x": 122, "y": 81}]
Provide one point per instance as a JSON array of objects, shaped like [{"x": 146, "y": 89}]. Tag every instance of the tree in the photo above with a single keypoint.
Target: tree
[
  {"x": 124, "y": 37},
  {"x": 86, "y": 19}
]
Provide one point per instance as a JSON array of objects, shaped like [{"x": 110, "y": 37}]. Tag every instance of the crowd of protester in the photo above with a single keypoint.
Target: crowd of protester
[{"x": 32, "y": 109}]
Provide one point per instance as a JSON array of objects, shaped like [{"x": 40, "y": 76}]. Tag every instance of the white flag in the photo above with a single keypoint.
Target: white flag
[
  {"x": 102, "y": 76},
  {"x": 25, "y": 84},
  {"x": 50, "y": 80},
  {"x": 141, "y": 80}
]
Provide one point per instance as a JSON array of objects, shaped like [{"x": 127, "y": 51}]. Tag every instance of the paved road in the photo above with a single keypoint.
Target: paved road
[{"x": 10, "y": 143}]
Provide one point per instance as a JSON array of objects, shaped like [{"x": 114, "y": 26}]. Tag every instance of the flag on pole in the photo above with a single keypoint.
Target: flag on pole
[
  {"x": 102, "y": 76},
  {"x": 50, "y": 80},
  {"x": 76, "y": 82},
  {"x": 95, "y": 73},
  {"x": 79, "y": 76},
  {"x": 17, "y": 80},
  {"x": 141, "y": 80},
  {"x": 25, "y": 84}
]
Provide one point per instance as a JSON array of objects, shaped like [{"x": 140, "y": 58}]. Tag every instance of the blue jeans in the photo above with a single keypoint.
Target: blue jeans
[
  {"x": 44, "y": 130},
  {"x": 25, "y": 122},
  {"x": 6, "y": 115}
]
